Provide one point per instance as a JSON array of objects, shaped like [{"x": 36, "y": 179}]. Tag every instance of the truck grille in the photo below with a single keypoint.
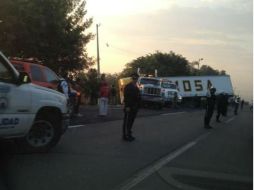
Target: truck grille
[
  {"x": 171, "y": 93},
  {"x": 152, "y": 91}
]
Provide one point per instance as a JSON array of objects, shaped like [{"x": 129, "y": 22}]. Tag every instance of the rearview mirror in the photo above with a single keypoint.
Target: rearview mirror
[{"x": 23, "y": 78}]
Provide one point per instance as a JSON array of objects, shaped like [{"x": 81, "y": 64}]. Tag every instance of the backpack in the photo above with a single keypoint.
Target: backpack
[{"x": 60, "y": 86}]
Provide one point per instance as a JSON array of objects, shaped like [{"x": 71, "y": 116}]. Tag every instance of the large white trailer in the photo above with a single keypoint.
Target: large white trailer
[{"x": 191, "y": 86}]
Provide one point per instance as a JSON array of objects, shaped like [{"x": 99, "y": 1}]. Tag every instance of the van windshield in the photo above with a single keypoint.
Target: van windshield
[
  {"x": 168, "y": 85},
  {"x": 150, "y": 81}
]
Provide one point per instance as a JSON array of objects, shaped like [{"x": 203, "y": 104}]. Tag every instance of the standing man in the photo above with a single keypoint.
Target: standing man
[
  {"x": 237, "y": 101},
  {"x": 63, "y": 86},
  {"x": 77, "y": 87},
  {"x": 242, "y": 104},
  {"x": 175, "y": 100},
  {"x": 131, "y": 105},
  {"x": 211, "y": 100},
  {"x": 113, "y": 95},
  {"x": 220, "y": 105}
]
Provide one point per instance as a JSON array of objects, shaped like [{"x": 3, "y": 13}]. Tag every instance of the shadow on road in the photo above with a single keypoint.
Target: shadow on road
[{"x": 7, "y": 151}]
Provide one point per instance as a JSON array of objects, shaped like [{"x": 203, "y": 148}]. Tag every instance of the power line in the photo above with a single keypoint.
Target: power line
[{"x": 126, "y": 51}]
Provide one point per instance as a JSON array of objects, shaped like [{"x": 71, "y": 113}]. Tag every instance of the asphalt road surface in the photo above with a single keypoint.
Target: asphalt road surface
[{"x": 172, "y": 150}]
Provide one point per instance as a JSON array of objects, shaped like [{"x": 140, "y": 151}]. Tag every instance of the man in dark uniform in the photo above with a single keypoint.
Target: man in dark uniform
[
  {"x": 237, "y": 101},
  {"x": 211, "y": 100},
  {"x": 222, "y": 104},
  {"x": 131, "y": 105}
]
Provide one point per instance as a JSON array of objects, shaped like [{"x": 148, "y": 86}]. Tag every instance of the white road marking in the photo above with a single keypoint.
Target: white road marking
[
  {"x": 146, "y": 172},
  {"x": 75, "y": 126},
  {"x": 167, "y": 174},
  {"x": 176, "y": 113}
]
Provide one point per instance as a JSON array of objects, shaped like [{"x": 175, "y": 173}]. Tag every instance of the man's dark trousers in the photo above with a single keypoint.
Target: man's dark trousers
[
  {"x": 208, "y": 115},
  {"x": 129, "y": 117}
]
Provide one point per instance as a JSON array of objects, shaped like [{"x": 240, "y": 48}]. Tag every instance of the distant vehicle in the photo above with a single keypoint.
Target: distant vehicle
[
  {"x": 32, "y": 115},
  {"x": 154, "y": 91},
  {"x": 169, "y": 89},
  {"x": 149, "y": 88},
  {"x": 151, "y": 91}
]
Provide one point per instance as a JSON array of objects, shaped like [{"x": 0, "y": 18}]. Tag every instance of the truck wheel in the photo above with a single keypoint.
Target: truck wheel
[{"x": 43, "y": 135}]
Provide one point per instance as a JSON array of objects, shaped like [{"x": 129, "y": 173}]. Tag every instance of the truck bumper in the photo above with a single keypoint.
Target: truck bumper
[
  {"x": 155, "y": 99},
  {"x": 65, "y": 122},
  {"x": 168, "y": 100}
]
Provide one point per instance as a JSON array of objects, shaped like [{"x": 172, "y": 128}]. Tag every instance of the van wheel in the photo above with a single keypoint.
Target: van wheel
[{"x": 43, "y": 135}]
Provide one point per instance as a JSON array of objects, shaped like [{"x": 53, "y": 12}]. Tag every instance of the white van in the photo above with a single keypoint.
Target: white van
[{"x": 169, "y": 91}]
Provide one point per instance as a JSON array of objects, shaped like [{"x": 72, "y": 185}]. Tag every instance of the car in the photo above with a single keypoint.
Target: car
[{"x": 38, "y": 73}]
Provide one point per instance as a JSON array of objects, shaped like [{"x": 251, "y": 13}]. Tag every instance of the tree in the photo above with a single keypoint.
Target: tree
[
  {"x": 52, "y": 31},
  {"x": 207, "y": 70},
  {"x": 92, "y": 85},
  {"x": 167, "y": 64}
]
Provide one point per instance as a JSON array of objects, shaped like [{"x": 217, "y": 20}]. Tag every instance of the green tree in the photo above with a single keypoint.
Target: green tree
[
  {"x": 92, "y": 85},
  {"x": 167, "y": 64},
  {"x": 207, "y": 70},
  {"x": 52, "y": 31}
]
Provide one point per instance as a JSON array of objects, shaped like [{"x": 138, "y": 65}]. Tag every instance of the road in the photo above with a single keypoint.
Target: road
[{"x": 172, "y": 150}]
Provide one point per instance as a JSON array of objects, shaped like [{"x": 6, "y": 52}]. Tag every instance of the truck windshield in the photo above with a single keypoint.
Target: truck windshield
[
  {"x": 168, "y": 85},
  {"x": 150, "y": 81}
]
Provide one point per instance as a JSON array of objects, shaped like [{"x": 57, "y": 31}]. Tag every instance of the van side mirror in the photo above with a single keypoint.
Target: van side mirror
[{"x": 23, "y": 78}]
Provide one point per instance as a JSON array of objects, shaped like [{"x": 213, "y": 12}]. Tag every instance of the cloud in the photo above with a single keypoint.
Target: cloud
[{"x": 236, "y": 5}]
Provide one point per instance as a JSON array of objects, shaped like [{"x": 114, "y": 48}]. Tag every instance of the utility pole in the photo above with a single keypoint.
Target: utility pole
[{"x": 98, "y": 50}]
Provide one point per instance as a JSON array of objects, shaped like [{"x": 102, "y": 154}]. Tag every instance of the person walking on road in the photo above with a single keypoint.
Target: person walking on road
[
  {"x": 222, "y": 103},
  {"x": 211, "y": 100},
  {"x": 131, "y": 106}
]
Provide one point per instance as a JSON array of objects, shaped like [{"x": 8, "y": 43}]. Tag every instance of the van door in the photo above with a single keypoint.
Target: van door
[{"x": 15, "y": 102}]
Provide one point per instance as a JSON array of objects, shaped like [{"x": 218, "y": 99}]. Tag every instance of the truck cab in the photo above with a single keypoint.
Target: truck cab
[
  {"x": 34, "y": 116},
  {"x": 151, "y": 91}
]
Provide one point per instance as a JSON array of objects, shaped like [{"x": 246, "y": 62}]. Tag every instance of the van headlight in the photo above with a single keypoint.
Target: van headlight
[{"x": 179, "y": 98}]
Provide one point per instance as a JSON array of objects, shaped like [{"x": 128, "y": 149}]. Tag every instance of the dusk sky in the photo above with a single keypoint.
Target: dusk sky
[{"x": 219, "y": 31}]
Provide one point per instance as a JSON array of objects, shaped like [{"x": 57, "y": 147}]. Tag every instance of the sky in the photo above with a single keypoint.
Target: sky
[{"x": 219, "y": 31}]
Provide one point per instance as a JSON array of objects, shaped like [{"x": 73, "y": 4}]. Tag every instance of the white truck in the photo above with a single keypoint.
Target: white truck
[
  {"x": 32, "y": 115},
  {"x": 150, "y": 91},
  {"x": 196, "y": 86},
  {"x": 154, "y": 91}
]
